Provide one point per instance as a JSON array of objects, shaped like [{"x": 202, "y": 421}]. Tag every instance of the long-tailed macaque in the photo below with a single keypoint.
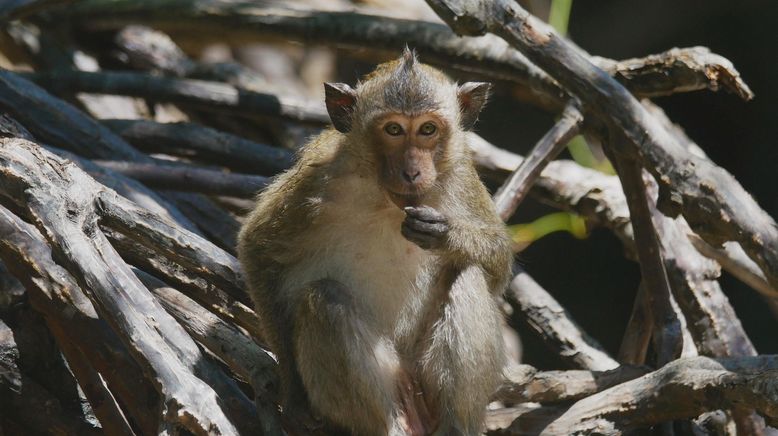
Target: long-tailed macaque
[{"x": 375, "y": 261}]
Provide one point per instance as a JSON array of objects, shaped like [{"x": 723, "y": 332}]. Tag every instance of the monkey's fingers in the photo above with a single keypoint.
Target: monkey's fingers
[
  {"x": 425, "y": 240},
  {"x": 425, "y": 213},
  {"x": 438, "y": 229}
]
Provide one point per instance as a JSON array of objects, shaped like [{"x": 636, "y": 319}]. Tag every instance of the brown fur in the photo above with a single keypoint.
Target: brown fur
[{"x": 352, "y": 308}]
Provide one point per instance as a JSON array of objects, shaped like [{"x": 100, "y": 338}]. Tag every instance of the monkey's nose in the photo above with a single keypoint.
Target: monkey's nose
[{"x": 410, "y": 178}]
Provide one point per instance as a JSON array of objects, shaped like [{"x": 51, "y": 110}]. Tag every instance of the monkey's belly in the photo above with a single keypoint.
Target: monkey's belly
[{"x": 367, "y": 253}]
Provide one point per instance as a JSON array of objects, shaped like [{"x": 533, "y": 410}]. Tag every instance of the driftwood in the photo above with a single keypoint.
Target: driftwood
[{"x": 121, "y": 232}]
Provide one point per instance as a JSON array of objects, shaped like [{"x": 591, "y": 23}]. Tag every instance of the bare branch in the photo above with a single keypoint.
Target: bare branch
[
  {"x": 690, "y": 69},
  {"x": 516, "y": 187},
  {"x": 525, "y": 384},
  {"x": 600, "y": 199},
  {"x": 712, "y": 201},
  {"x": 189, "y": 139},
  {"x": 60, "y": 199},
  {"x": 666, "y": 331},
  {"x": 244, "y": 21},
  {"x": 555, "y": 327},
  {"x": 682, "y": 389},
  {"x": 210, "y": 96},
  {"x": 182, "y": 177},
  {"x": 637, "y": 334},
  {"x": 229, "y": 343},
  {"x": 60, "y": 124}
]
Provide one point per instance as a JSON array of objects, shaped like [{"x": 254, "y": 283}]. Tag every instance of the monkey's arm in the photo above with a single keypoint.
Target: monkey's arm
[{"x": 471, "y": 235}]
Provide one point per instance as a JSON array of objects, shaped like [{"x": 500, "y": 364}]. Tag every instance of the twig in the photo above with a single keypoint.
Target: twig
[
  {"x": 554, "y": 325},
  {"x": 189, "y": 139},
  {"x": 734, "y": 260},
  {"x": 666, "y": 330},
  {"x": 516, "y": 187},
  {"x": 637, "y": 335},
  {"x": 181, "y": 177},
  {"x": 211, "y": 96},
  {"x": 702, "y": 191}
]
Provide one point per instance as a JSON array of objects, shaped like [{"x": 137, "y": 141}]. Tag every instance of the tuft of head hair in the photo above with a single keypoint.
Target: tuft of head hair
[{"x": 410, "y": 89}]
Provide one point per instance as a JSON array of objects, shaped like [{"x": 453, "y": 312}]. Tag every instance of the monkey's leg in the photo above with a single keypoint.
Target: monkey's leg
[
  {"x": 465, "y": 357},
  {"x": 349, "y": 371}
]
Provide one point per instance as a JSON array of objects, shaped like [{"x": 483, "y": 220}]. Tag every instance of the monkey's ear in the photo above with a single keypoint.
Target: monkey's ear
[
  {"x": 472, "y": 97},
  {"x": 340, "y": 99}
]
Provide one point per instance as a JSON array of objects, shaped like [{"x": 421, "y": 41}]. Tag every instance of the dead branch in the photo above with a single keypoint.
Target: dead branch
[
  {"x": 552, "y": 322},
  {"x": 231, "y": 344},
  {"x": 27, "y": 404},
  {"x": 206, "y": 144},
  {"x": 525, "y": 384},
  {"x": 666, "y": 327},
  {"x": 244, "y": 21},
  {"x": 54, "y": 293},
  {"x": 734, "y": 260},
  {"x": 599, "y": 198},
  {"x": 182, "y": 177},
  {"x": 700, "y": 190},
  {"x": 682, "y": 389},
  {"x": 143, "y": 48},
  {"x": 637, "y": 334},
  {"x": 690, "y": 69},
  {"x": 70, "y": 220},
  {"x": 516, "y": 187},
  {"x": 58, "y": 123},
  {"x": 200, "y": 94}
]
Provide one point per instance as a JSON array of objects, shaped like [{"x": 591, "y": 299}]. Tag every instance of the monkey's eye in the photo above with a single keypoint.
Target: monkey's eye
[
  {"x": 393, "y": 129},
  {"x": 428, "y": 129}
]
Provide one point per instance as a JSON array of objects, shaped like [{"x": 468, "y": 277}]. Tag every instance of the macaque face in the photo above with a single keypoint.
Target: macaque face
[{"x": 408, "y": 148}]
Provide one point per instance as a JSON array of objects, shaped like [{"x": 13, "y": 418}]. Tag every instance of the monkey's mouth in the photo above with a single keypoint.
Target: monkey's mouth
[{"x": 404, "y": 199}]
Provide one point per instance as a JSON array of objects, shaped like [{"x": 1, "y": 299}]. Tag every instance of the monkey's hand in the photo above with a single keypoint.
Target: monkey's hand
[{"x": 425, "y": 227}]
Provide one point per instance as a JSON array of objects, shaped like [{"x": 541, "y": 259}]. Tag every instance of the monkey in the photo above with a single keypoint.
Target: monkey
[{"x": 376, "y": 260}]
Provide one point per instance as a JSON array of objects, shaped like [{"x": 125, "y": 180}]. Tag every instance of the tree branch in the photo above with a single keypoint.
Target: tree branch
[
  {"x": 189, "y": 139},
  {"x": 201, "y": 94},
  {"x": 69, "y": 217},
  {"x": 182, "y": 177},
  {"x": 516, "y": 187},
  {"x": 702, "y": 191},
  {"x": 245, "y": 21},
  {"x": 525, "y": 384},
  {"x": 552, "y": 322},
  {"x": 682, "y": 389}
]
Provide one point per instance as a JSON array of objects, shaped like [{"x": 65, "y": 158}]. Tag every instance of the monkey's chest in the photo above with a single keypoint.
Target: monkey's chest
[{"x": 366, "y": 252}]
